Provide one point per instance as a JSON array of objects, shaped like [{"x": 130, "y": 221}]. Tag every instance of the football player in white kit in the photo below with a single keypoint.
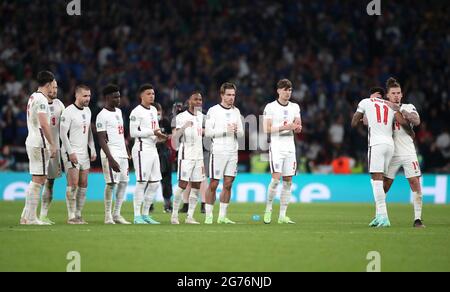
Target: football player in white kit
[
  {"x": 281, "y": 120},
  {"x": 405, "y": 154},
  {"x": 189, "y": 133},
  {"x": 224, "y": 126},
  {"x": 114, "y": 154},
  {"x": 144, "y": 128},
  {"x": 381, "y": 115},
  {"x": 56, "y": 108},
  {"x": 40, "y": 145},
  {"x": 76, "y": 136}
]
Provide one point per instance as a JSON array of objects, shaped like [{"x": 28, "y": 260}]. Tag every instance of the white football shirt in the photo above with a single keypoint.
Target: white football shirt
[
  {"x": 191, "y": 147},
  {"x": 55, "y": 109},
  {"x": 404, "y": 143},
  {"x": 77, "y": 121},
  {"x": 37, "y": 103},
  {"x": 380, "y": 119},
  {"x": 217, "y": 120},
  {"x": 282, "y": 115},
  {"x": 143, "y": 123},
  {"x": 111, "y": 122}
]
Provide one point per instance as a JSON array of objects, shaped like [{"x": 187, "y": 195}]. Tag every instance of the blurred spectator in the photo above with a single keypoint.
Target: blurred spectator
[
  {"x": 7, "y": 160},
  {"x": 331, "y": 51}
]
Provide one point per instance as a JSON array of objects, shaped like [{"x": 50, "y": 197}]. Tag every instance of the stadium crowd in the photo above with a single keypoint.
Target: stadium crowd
[{"x": 331, "y": 50}]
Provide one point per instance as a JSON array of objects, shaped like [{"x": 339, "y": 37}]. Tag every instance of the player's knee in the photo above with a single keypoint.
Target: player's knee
[{"x": 227, "y": 185}]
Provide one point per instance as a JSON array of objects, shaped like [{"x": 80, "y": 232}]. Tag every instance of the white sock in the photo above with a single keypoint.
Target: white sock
[
  {"x": 138, "y": 198},
  {"x": 33, "y": 194},
  {"x": 149, "y": 196},
  {"x": 374, "y": 197},
  {"x": 108, "y": 199},
  {"x": 271, "y": 193},
  {"x": 177, "y": 197},
  {"x": 193, "y": 199},
  {"x": 71, "y": 201},
  {"x": 47, "y": 198},
  {"x": 209, "y": 210},
  {"x": 418, "y": 201},
  {"x": 223, "y": 210},
  {"x": 81, "y": 199},
  {"x": 120, "y": 195},
  {"x": 285, "y": 198},
  {"x": 380, "y": 198}
]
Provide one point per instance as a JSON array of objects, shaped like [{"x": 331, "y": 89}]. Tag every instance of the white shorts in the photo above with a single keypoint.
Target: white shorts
[
  {"x": 39, "y": 159},
  {"x": 115, "y": 177},
  {"x": 54, "y": 166},
  {"x": 191, "y": 170},
  {"x": 147, "y": 166},
  {"x": 410, "y": 166},
  {"x": 379, "y": 158},
  {"x": 221, "y": 165},
  {"x": 84, "y": 163},
  {"x": 283, "y": 162}
]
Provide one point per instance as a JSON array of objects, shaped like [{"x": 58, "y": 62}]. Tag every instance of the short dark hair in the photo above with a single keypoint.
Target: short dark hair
[
  {"x": 227, "y": 85},
  {"x": 81, "y": 87},
  {"x": 194, "y": 92},
  {"x": 144, "y": 87},
  {"x": 45, "y": 77},
  {"x": 377, "y": 89},
  {"x": 284, "y": 84},
  {"x": 110, "y": 88}
]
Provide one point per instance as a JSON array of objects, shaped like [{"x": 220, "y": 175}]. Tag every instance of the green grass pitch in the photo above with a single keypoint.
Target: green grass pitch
[{"x": 327, "y": 237}]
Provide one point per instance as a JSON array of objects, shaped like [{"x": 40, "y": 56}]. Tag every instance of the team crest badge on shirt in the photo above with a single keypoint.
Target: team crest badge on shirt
[
  {"x": 99, "y": 125},
  {"x": 228, "y": 115},
  {"x": 286, "y": 112}
]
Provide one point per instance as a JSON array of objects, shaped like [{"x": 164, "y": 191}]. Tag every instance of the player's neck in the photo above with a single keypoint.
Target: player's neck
[
  {"x": 110, "y": 108},
  {"x": 45, "y": 93},
  {"x": 225, "y": 106},
  {"x": 78, "y": 105},
  {"x": 192, "y": 111},
  {"x": 146, "y": 106},
  {"x": 282, "y": 102}
]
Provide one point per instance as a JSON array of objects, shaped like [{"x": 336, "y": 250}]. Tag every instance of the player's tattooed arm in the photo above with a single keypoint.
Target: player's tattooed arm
[
  {"x": 357, "y": 118},
  {"x": 412, "y": 117}
]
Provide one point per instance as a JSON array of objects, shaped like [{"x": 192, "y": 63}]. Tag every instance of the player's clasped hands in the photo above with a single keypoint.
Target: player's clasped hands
[
  {"x": 232, "y": 128},
  {"x": 188, "y": 124}
]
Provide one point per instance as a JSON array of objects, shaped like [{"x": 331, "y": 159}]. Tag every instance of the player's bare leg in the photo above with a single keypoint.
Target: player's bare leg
[
  {"x": 73, "y": 180},
  {"x": 47, "y": 197},
  {"x": 225, "y": 197},
  {"x": 29, "y": 213},
  {"x": 210, "y": 198},
  {"x": 271, "y": 193},
  {"x": 381, "y": 218},
  {"x": 284, "y": 200},
  {"x": 178, "y": 196},
  {"x": 81, "y": 195},
  {"x": 193, "y": 199}
]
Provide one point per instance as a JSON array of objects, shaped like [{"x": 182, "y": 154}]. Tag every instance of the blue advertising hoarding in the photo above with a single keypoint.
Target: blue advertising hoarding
[{"x": 307, "y": 188}]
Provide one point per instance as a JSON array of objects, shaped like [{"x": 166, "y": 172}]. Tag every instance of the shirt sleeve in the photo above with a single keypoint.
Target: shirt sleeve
[
  {"x": 42, "y": 105},
  {"x": 268, "y": 115},
  {"x": 64, "y": 128},
  {"x": 362, "y": 106},
  {"x": 100, "y": 123}
]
